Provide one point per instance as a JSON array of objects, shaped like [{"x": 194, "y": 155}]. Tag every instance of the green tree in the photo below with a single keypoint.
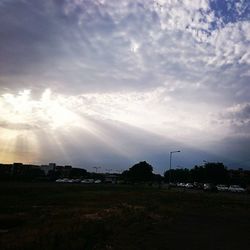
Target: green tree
[
  {"x": 77, "y": 173},
  {"x": 178, "y": 175},
  {"x": 216, "y": 172},
  {"x": 140, "y": 172}
]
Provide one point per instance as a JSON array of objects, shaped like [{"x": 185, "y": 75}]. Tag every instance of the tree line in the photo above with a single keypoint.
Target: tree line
[{"x": 211, "y": 172}]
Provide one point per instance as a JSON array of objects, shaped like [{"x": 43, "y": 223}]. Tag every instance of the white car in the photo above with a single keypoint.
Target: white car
[
  {"x": 98, "y": 181},
  {"x": 209, "y": 187},
  {"x": 181, "y": 184},
  {"x": 189, "y": 185},
  {"x": 76, "y": 180},
  {"x": 222, "y": 188},
  {"x": 59, "y": 180},
  {"x": 236, "y": 189},
  {"x": 88, "y": 181},
  {"x": 62, "y": 180}
]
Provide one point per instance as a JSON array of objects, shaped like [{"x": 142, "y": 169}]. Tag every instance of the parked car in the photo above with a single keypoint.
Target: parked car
[
  {"x": 181, "y": 184},
  {"x": 98, "y": 181},
  {"x": 76, "y": 180},
  {"x": 222, "y": 188},
  {"x": 189, "y": 185},
  {"x": 209, "y": 187},
  {"x": 64, "y": 180},
  {"x": 198, "y": 185},
  {"x": 236, "y": 189},
  {"x": 172, "y": 184},
  {"x": 59, "y": 180},
  {"x": 88, "y": 181}
]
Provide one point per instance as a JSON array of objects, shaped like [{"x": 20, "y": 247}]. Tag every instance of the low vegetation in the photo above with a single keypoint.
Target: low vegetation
[{"x": 68, "y": 216}]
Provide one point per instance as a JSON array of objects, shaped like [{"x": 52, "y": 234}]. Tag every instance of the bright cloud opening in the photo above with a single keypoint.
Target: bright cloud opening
[{"x": 112, "y": 74}]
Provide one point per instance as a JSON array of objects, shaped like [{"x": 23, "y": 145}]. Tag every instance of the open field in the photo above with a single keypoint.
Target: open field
[{"x": 68, "y": 216}]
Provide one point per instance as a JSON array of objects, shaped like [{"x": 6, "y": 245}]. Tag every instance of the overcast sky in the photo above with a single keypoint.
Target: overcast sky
[{"x": 110, "y": 83}]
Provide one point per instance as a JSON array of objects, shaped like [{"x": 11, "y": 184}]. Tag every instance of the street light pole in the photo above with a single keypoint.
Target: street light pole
[
  {"x": 170, "y": 163},
  {"x": 96, "y": 168}
]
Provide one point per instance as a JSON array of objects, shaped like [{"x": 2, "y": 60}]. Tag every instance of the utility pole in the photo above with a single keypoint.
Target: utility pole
[
  {"x": 96, "y": 168},
  {"x": 170, "y": 163}
]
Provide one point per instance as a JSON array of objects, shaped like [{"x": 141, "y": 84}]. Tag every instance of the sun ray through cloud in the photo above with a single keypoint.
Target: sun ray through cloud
[{"x": 97, "y": 74}]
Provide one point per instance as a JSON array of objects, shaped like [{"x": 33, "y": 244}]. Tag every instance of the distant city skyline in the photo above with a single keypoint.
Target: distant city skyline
[{"x": 112, "y": 83}]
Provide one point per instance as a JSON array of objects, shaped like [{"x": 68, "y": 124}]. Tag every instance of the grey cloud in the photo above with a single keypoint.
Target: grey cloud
[
  {"x": 86, "y": 46},
  {"x": 239, "y": 112},
  {"x": 19, "y": 126},
  {"x": 120, "y": 146},
  {"x": 238, "y": 119},
  {"x": 235, "y": 149},
  {"x": 76, "y": 47}
]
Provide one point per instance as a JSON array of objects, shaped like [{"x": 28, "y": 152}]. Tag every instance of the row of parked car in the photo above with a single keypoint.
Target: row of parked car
[
  {"x": 86, "y": 181},
  {"x": 212, "y": 187},
  {"x": 232, "y": 188}
]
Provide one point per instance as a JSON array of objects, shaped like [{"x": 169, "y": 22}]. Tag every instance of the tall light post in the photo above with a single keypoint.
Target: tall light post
[
  {"x": 170, "y": 163},
  {"x": 96, "y": 168}
]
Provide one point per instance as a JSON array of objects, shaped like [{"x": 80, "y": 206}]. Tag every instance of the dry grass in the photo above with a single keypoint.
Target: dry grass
[{"x": 54, "y": 216}]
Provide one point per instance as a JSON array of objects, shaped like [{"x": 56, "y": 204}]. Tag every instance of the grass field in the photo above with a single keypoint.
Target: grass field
[{"x": 67, "y": 216}]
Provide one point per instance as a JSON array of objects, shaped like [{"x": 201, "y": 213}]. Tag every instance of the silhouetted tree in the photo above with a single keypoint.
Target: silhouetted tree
[
  {"x": 178, "y": 175},
  {"x": 54, "y": 174},
  {"x": 140, "y": 172},
  {"x": 32, "y": 173},
  {"x": 77, "y": 173},
  {"x": 216, "y": 172},
  {"x": 158, "y": 179},
  {"x": 198, "y": 174}
]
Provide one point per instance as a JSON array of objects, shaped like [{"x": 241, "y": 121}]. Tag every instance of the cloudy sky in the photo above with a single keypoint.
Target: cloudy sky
[{"x": 109, "y": 83}]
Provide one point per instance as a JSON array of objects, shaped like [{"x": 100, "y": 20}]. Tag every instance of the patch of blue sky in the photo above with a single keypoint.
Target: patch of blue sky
[{"x": 230, "y": 11}]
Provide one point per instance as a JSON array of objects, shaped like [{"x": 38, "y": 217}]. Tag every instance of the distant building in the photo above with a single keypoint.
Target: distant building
[
  {"x": 52, "y": 165},
  {"x": 47, "y": 168},
  {"x": 111, "y": 178},
  {"x": 63, "y": 171},
  {"x": 16, "y": 168},
  {"x": 68, "y": 167},
  {"x": 66, "y": 170},
  {"x": 5, "y": 169}
]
